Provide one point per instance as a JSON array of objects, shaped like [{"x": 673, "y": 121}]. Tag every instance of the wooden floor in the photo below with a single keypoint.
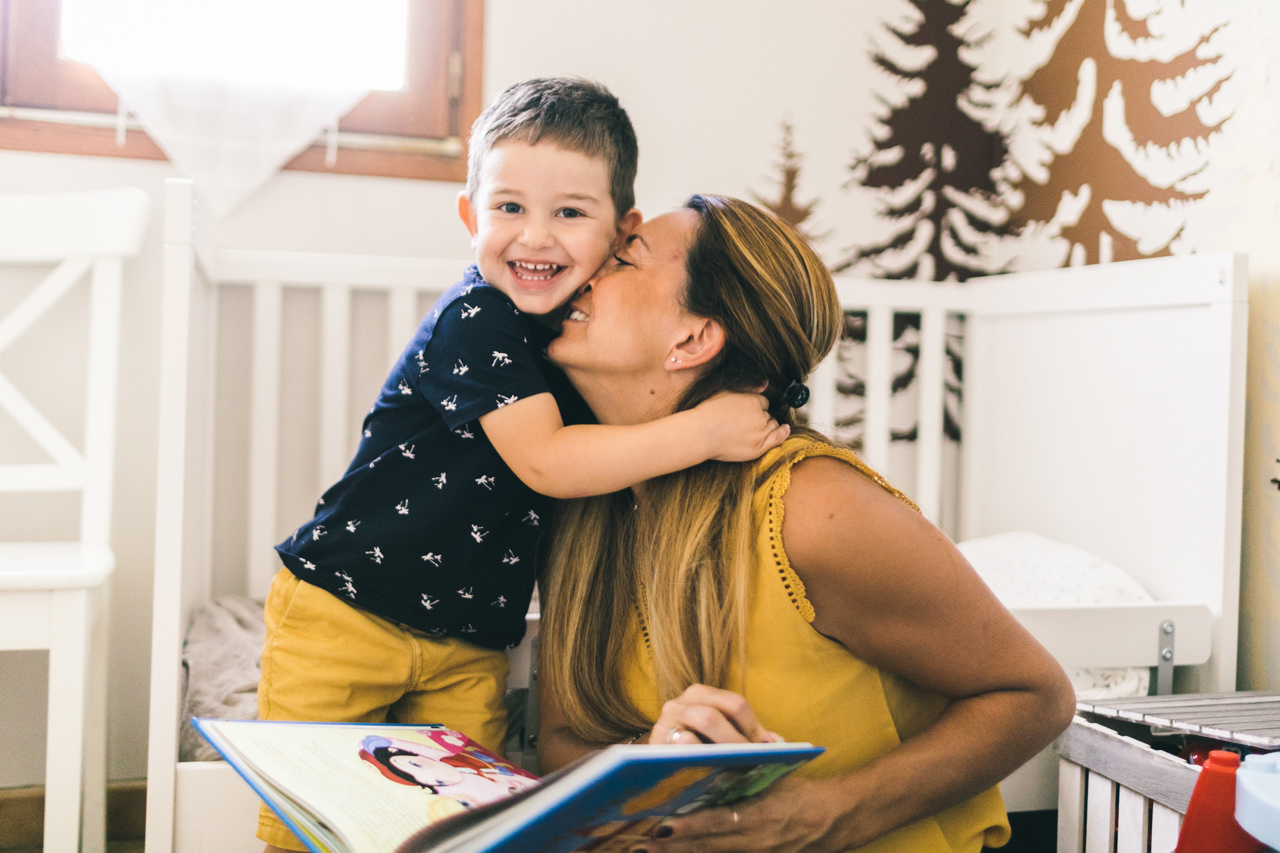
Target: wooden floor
[{"x": 112, "y": 847}]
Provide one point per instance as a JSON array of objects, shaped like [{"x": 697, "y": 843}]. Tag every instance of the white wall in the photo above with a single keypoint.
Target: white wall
[{"x": 708, "y": 85}]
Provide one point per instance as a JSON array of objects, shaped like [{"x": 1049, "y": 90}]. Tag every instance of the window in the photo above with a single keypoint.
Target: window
[{"x": 49, "y": 103}]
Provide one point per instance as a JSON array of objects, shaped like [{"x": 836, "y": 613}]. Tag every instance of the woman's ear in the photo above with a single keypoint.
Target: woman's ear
[
  {"x": 467, "y": 213},
  {"x": 626, "y": 225},
  {"x": 703, "y": 343}
]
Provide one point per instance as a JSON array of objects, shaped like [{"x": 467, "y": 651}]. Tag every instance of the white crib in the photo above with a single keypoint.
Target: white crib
[{"x": 1103, "y": 407}]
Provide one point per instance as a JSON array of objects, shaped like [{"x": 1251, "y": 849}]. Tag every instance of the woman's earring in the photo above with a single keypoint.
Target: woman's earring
[{"x": 675, "y": 360}]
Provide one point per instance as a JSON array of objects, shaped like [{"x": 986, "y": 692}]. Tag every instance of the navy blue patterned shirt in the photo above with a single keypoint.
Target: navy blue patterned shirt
[{"x": 429, "y": 527}]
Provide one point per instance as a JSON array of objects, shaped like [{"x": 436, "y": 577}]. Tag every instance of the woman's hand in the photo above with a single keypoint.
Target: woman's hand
[
  {"x": 703, "y": 714},
  {"x": 792, "y": 815}
]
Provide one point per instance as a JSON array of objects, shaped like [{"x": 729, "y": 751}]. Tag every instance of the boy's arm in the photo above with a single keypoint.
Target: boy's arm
[{"x": 594, "y": 459}]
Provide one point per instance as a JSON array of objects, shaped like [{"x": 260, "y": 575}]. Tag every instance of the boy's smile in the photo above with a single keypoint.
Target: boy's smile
[{"x": 542, "y": 222}]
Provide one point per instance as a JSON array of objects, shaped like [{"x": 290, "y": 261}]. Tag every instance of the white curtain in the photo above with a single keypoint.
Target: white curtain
[{"x": 231, "y": 90}]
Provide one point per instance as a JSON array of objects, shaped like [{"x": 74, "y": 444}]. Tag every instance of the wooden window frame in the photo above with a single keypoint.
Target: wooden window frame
[{"x": 52, "y": 104}]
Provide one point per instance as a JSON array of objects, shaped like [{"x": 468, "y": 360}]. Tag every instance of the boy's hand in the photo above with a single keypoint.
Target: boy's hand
[{"x": 738, "y": 426}]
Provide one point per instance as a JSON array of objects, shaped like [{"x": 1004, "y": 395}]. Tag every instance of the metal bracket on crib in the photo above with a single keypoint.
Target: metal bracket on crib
[{"x": 1164, "y": 669}]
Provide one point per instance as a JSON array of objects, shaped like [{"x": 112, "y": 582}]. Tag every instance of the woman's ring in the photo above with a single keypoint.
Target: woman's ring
[{"x": 674, "y": 732}]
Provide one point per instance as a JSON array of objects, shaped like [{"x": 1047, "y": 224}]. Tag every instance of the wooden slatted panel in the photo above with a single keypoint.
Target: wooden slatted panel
[
  {"x": 264, "y": 436},
  {"x": 1165, "y": 826},
  {"x": 1100, "y": 814},
  {"x": 1070, "y": 807},
  {"x": 931, "y": 391},
  {"x": 1133, "y": 832},
  {"x": 335, "y": 446},
  {"x": 879, "y": 389}
]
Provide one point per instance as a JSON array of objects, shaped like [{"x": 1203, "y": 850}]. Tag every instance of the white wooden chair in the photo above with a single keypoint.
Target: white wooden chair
[{"x": 53, "y": 593}]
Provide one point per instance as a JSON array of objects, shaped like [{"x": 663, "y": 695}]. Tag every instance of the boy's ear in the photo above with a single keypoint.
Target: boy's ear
[
  {"x": 467, "y": 213},
  {"x": 703, "y": 343},
  {"x": 626, "y": 225}
]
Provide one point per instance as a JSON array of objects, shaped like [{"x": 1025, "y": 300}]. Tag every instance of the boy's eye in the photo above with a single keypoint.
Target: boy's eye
[
  {"x": 509, "y": 207},
  {"x": 571, "y": 213}
]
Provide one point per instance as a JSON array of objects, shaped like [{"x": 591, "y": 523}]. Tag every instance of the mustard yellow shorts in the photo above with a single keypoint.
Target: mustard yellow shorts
[{"x": 326, "y": 660}]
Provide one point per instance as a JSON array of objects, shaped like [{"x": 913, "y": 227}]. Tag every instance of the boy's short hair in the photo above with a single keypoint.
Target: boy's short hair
[{"x": 573, "y": 113}]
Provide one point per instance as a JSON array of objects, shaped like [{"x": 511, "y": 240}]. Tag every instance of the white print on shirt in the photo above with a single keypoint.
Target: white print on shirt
[
  {"x": 478, "y": 533},
  {"x": 308, "y": 565},
  {"x": 486, "y": 481},
  {"x": 505, "y": 400},
  {"x": 531, "y": 519},
  {"x": 460, "y": 368},
  {"x": 469, "y": 592},
  {"x": 467, "y": 629},
  {"x": 500, "y": 602},
  {"x": 500, "y": 359},
  {"x": 432, "y": 558},
  {"x": 421, "y": 356},
  {"x": 469, "y": 311},
  {"x": 407, "y": 452},
  {"x": 428, "y": 602},
  {"x": 403, "y": 387},
  {"x": 463, "y": 432},
  {"x": 436, "y": 631},
  {"x": 347, "y": 587},
  {"x": 402, "y": 508},
  {"x": 317, "y": 532},
  {"x": 450, "y": 403},
  {"x": 352, "y": 525},
  {"x": 368, "y": 433},
  {"x": 375, "y": 555},
  {"x": 440, "y": 481},
  {"x": 510, "y": 558}
]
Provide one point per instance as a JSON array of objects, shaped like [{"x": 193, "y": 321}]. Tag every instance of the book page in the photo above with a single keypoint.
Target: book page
[{"x": 373, "y": 785}]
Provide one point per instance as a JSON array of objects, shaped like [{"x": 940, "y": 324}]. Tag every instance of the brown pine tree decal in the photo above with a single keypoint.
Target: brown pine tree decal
[
  {"x": 934, "y": 162},
  {"x": 785, "y": 206},
  {"x": 1111, "y": 154}
]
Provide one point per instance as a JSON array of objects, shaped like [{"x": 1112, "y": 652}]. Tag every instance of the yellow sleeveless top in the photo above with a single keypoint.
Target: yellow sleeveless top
[{"x": 809, "y": 688}]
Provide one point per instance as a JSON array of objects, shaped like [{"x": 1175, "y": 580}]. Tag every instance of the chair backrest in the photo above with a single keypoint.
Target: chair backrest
[{"x": 61, "y": 240}]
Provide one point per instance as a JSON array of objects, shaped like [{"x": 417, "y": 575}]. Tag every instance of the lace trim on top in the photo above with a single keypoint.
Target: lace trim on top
[{"x": 775, "y": 508}]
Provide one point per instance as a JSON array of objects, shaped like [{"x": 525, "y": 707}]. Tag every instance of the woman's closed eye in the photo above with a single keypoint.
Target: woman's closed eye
[{"x": 619, "y": 262}]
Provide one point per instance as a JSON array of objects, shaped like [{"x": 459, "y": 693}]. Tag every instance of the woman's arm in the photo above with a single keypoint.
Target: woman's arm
[
  {"x": 594, "y": 459},
  {"x": 897, "y": 593}
]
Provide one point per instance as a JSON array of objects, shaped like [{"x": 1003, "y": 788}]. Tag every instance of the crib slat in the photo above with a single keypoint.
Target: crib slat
[
  {"x": 1100, "y": 814},
  {"x": 821, "y": 408},
  {"x": 264, "y": 436},
  {"x": 1070, "y": 807},
  {"x": 932, "y": 393},
  {"x": 335, "y": 371},
  {"x": 1165, "y": 826},
  {"x": 875, "y": 436},
  {"x": 402, "y": 320},
  {"x": 1132, "y": 827}
]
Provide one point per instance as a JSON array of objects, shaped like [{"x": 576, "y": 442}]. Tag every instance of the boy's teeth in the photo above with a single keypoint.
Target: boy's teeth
[{"x": 549, "y": 270}]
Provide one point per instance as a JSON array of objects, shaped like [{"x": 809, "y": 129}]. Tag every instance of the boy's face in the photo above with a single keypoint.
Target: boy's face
[{"x": 542, "y": 222}]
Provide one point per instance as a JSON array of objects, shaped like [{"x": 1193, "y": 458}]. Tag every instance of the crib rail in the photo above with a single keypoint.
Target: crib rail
[{"x": 407, "y": 286}]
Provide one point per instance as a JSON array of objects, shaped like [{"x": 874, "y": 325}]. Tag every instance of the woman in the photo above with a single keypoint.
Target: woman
[{"x": 800, "y": 597}]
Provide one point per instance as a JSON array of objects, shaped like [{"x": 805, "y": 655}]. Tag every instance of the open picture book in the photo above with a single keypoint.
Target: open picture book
[{"x": 375, "y": 788}]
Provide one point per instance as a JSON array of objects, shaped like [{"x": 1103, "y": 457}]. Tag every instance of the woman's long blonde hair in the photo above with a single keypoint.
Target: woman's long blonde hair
[{"x": 681, "y": 557}]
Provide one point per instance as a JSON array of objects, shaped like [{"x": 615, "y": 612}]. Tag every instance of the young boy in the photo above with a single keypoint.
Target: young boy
[{"x": 400, "y": 595}]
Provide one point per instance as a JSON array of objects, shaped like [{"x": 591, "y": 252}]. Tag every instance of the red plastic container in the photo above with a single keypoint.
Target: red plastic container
[{"x": 1210, "y": 825}]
